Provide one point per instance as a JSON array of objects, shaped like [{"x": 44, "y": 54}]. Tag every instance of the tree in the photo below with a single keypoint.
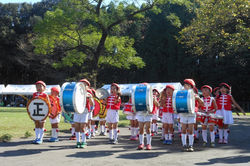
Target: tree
[{"x": 82, "y": 33}]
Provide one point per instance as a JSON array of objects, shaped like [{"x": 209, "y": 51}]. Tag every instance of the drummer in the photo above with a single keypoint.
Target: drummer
[
  {"x": 224, "y": 102},
  {"x": 81, "y": 120},
  {"x": 187, "y": 120},
  {"x": 155, "y": 111},
  {"x": 39, "y": 125},
  {"x": 209, "y": 109},
  {"x": 145, "y": 119},
  {"x": 54, "y": 117}
]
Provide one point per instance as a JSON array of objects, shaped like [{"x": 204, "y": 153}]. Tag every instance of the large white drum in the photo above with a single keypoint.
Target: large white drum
[
  {"x": 142, "y": 98},
  {"x": 38, "y": 109},
  {"x": 73, "y": 97}
]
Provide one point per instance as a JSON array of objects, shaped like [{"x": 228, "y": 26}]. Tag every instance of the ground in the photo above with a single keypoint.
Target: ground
[{"x": 22, "y": 153}]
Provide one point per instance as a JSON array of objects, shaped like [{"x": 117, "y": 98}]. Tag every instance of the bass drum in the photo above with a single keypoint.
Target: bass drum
[
  {"x": 55, "y": 107},
  {"x": 97, "y": 108},
  {"x": 73, "y": 97},
  {"x": 184, "y": 101},
  {"x": 142, "y": 98}
]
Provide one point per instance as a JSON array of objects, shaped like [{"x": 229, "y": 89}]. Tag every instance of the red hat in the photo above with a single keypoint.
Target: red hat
[
  {"x": 55, "y": 89},
  {"x": 215, "y": 89},
  {"x": 170, "y": 86},
  {"x": 207, "y": 86},
  {"x": 85, "y": 81},
  {"x": 41, "y": 82},
  {"x": 225, "y": 85},
  {"x": 190, "y": 82},
  {"x": 116, "y": 85},
  {"x": 156, "y": 90},
  {"x": 195, "y": 90}
]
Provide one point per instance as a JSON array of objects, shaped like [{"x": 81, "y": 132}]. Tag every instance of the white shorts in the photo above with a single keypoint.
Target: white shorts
[
  {"x": 187, "y": 118},
  {"x": 144, "y": 118},
  {"x": 155, "y": 117},
  {"x": 167, "y": 118},
  {"x": 81, "y": 118},
  {"x": 90, "y": 115},
  {"x": 56, "y": 119},
  {"x": 131, "y": 117},
  {"x": 112, "y": 116}
]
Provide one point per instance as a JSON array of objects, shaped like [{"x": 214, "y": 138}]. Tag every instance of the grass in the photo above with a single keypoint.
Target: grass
[
  {"x": 16, "y": 123},
  {"x": 247, "y": 114}
]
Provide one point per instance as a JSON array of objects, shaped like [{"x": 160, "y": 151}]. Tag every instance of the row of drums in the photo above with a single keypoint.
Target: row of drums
[{"x": 73, "y": 99}]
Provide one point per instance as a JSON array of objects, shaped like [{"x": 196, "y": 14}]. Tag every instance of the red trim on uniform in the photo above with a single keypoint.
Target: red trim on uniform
[
  {"x": 111, "y": 102},
  {"x": 224, "y": 102}
]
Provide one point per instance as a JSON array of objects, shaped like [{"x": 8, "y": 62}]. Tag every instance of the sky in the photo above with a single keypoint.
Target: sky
[{"x": 19, "y": 1}]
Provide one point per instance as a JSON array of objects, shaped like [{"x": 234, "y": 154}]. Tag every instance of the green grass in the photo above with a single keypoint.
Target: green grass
[
  {"x": 247, "y": 114},
  {"x": 16, "y": 122}
]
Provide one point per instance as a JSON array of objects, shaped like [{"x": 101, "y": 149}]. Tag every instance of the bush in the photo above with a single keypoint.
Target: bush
[
  {"x": 27, "y": 134},
  {"x": 5, "y": 138}
]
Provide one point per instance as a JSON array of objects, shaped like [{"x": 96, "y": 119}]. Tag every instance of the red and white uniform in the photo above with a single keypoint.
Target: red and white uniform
[
  {"x": 113, "y": 107},
  {"x": 155, "y": 109},
  {"x": 40, "y": 94},
  {"x": 208, "y": 104},
  {"x": 55, "y": 109},
  {"x": 168, "y": 112},
  {"x": 224, "y": 103},
  {"x": 130, "y": 112}
]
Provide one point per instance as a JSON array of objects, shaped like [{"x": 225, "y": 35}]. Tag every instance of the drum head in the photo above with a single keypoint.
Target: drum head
[
  {"x": 102, "y": 93},
  {"x": 38, "y": 109},
  {"x": 79, "y": 97},
  {"x": 98, "y": 107}
]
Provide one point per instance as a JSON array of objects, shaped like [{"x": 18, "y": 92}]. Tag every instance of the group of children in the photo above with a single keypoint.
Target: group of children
[{"x": 84, "y": 124}]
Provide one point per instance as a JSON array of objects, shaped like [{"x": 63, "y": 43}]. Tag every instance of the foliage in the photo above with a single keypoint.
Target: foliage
[{"x": 5, "y": 138}]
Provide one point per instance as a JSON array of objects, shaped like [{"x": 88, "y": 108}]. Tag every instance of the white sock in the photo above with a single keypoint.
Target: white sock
[
  {"x": 220, "y": 133},
  {"x": 115, "y": 134},
  {"x": 102, "y": 128},
  {"x": 93, "y": 129},
  {"x": 148, "y": 139},
  {"x": 73, "y": 131},
  {"x": 141, "y": 138},
  {"x": 37, "y": 132},
  {"x": 226, "y": 134},
  {"x": 111, "y": 134},
  {"x": 191, "y": 139},
  {"x": 184, "y": 139},
  {"x": 212, "y": 136},
  {"x": 83, "y": 137},
  {"x": 77, "y": 136},
  {"x": 41, "y": 133},
  {"x": 53, "y": 132},
  {"x": 204, "y": 135},
  {"x": 170, "y": 137},
  {"x": 166, "y": 136}
]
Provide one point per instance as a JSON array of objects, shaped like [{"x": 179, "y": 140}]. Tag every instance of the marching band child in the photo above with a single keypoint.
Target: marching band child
[
  {"x": 132, "y": 118},
  {"x": 90, "y": 114},
  {"x": 113, "y": 106},
  {"x": 102, "y": 120},
  {"x": 39, "y": 125},
  {"x": 154, "y": 126},
  {"x": 81, "y": 120},
  {"x": 224, "y": 103},
  {"x": 188, "y": 120},
  {"x": 145, "y": 119},
  {"x": 55, "y": 115},
  {"x": 167, "y": 115},
  {"x": 209, "y": 109}
]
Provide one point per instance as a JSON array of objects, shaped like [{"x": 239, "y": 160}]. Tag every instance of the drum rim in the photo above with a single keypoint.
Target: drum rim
[
  {"x": 133, "y": 98},
  {"x": 149, "y": 93},
  {"x": 74, "y": 97},
  {"x": 191, "y": 106},
  {"x": 48, "y": 104},
  {"x": 173, "y": 100}
]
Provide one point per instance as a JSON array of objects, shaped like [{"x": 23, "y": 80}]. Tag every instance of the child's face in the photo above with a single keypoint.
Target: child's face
[
  {"x": 223, "y": 90},
  {"x": 53, "y": 93},
  {"x": 205, "y": 92},
  {"x": 155, "y": 93},
  {"x": 40, "y": 88},
  {"x": 113, "y": 90},
  {"x": 169, "y": 92},
  {"x": 187, "y": 86}
]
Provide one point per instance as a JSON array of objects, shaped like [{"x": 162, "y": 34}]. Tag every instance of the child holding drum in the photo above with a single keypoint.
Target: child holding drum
[
  {"x": 113, "y": 107},
  {"x": 168, "y": 114},
  {"x": 224, "y": 102},
  {"x": 39, "y": 125},
  {"x": 209, "y": 109},
  {"x": 188, "y": 120},
  {"x": 81, "y": 120},
  {"x": 55, "y": 115}
]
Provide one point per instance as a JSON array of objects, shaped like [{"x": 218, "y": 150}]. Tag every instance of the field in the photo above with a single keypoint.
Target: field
[{"x": 16, "y": 122}]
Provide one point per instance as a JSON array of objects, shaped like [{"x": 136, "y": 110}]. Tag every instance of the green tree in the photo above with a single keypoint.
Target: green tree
[{"x": 85, "y": 35}]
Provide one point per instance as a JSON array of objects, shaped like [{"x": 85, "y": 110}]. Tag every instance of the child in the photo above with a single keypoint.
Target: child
[
  {"x": 167, "y": 115},
  {"x": 144, "y": 119},
  {"x": 154, "y": 126},
  {"x": 209, "y": 108},
  {"x": 188, "y": 120},
  {"x": 90, "y": 114},
  {"x": 95, "y": 120},
  {"x": 132, "y": 118},
  {"x": 113, "y": 106},
  {"x": 224, "y": 102},
  {"x": 102, "y": 118},
  {"x": 55, "y": 114},
  {"x": 39, "y": 125},
  {"x": 80, "y": 120}
]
